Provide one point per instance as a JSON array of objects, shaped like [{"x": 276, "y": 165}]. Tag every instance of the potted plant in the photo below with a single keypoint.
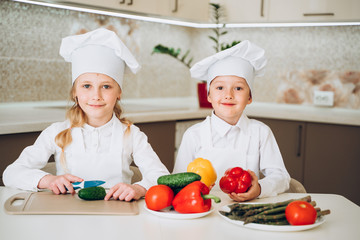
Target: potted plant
[{"x": 217, "y": 14}]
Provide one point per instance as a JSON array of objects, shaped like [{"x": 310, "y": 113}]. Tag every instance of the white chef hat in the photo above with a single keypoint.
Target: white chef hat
[
  {"x": 98, "y": 51},
  {"x": 244, "y": 60}
]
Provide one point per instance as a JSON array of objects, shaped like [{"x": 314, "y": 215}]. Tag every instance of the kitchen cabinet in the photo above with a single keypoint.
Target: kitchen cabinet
[
  {"x": 140, "y": 6},
  {"x": 325, "y": 158},
  {"x": 11, "y": 146},
  {"x": 313, "y": 10},
  {"x": 332, "y": 160},
  {"x": 245, "y": 11},
  {"x": 184, "y": 9},
  {"x": 161, "y": 136},
  {"x": 282, "y": 11}
]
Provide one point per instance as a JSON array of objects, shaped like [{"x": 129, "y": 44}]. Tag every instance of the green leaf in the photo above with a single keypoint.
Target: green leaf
[
  {"x": 189, "y": 62},
  {"x": 185, "y": 55},
  {"x": 214, "y": 39}
]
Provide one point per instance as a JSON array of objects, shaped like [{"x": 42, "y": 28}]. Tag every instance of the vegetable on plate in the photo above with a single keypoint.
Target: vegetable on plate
[
  {"x": 178, "y": 180},
  {"x": 205, "y": 169},
  {"x": 159, "y": 197},
  {"x": 300, "y": 213},
  {"x": 235, "y": 180},
  {"x": 194, "y": 198},
  {"x": 272, "y": 213}
]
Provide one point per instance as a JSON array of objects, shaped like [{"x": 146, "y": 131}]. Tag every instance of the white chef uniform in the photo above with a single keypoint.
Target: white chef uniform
[
  {"x": 103, "y": 153},
  {"x": 95, "y": 153},
  {"x": 249, "y": 144}
]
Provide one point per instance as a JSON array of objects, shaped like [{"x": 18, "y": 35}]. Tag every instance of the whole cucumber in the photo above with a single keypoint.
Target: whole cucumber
[
  {"x": 92, "y": 193},
  {"x": 178, "y": 180}
]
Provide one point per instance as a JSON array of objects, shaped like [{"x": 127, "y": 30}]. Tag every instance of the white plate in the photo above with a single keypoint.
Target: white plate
[
  {"x": 281, "y": 228},
  {"x": 175, "y": 215}
]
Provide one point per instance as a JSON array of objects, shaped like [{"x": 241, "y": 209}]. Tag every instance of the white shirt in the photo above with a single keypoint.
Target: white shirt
[
  {"x": 95, "y": 143},
  {"x": 263, "y": 154}
]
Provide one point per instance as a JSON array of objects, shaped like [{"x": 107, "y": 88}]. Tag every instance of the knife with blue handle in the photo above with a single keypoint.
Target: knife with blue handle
[{"x": 86, "y": 184}]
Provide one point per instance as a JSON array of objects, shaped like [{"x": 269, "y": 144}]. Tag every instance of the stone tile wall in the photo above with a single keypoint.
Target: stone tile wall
[{"x": 32, "y": 70}]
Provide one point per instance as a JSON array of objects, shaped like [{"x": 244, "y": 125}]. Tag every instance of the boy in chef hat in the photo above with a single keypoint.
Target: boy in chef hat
[
  {"x": 95, "y": 142},
  {"x": 228, "y": 138}
]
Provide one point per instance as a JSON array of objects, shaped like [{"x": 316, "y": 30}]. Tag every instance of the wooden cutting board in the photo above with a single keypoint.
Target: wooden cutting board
[{"x": 49, "y": 203}]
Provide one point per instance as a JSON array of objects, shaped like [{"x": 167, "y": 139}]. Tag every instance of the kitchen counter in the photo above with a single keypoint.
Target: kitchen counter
[
  {"x": 36, "y": 116},
  {"x": 342, "y": 223}
]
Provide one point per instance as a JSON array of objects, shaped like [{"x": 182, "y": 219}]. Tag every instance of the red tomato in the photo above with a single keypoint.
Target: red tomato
[
  {"x": 300, "y": 213},
  {"x": 159, "y": 197}
]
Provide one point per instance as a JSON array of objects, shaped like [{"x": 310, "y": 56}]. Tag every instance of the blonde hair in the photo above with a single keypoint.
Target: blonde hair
[{"x": 78, "y": 118}]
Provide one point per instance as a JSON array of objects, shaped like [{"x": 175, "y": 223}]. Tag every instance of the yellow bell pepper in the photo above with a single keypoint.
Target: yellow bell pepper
[{"x": 205, "y": 169}]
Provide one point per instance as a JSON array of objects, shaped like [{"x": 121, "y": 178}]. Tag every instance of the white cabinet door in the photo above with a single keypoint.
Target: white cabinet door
[
  {"x": 140, "y": 6},
  {"x": 195, "y": 10},
  {"x": 245, "y": 11},
  {"x": 313, "y": 10}
]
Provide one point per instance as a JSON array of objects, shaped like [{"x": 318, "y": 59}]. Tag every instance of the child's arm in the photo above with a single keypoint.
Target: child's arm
[
  {"x": 276, "y": 178},
  {"x": 25, "y": 172}
]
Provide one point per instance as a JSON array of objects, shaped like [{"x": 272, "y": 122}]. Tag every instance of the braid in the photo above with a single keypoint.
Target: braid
[{"x": 118, "y": 111}]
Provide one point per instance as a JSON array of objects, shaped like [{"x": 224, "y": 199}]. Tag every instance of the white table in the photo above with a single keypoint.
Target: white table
[{"x": 343, "y": 223}]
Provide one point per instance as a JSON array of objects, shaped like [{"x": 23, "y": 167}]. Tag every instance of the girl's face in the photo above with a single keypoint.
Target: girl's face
[
  {"x": 97, "y": 95},
  {"x": 229, "y": 96}
]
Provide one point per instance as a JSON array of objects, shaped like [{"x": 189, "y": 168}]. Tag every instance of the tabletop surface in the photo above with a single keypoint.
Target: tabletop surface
[{"x": 342, "y": 223}]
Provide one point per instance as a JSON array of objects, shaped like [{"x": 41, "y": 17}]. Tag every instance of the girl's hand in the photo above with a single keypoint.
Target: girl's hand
[
  {"x": 253, "y": 192},
  {"x": 58, "y": 184},
  {"x": 125, "y": 192}
]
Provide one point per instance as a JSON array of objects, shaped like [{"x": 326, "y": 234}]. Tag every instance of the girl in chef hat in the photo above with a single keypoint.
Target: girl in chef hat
[
  {"x": 228, "y": 138},
  {"x": 95, "y": 142}
]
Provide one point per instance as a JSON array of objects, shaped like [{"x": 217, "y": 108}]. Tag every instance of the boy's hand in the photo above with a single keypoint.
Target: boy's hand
[
  {"x": 125, "y": 192},
  {"x": 253, "y": 192},
  {"x": 59, "y": 184}
]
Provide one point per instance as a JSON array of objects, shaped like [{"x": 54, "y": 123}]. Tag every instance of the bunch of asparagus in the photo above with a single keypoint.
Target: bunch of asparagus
[{"x": 270, "y": 213}]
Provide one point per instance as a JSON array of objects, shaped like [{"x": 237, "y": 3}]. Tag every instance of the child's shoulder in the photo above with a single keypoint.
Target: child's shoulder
[
  {"x": 196, "y": 128},
  {"x": 58, "y": 126},
  {"x": 256, "y": 125}
]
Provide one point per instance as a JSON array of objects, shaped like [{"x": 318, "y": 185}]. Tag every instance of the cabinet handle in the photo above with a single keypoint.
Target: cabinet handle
[
  {"x": 130, "y": 3},
  {"x": 175, "y": 8},
  {"x": 122, "y": 2},
  {"x": 318, "y": 14},
  {"x": 298, "y": 153},
  {"x": 262, "y": 8}
]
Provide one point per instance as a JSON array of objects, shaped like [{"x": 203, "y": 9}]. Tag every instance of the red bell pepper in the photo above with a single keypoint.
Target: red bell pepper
[
  {"x": 194, "y": 198},
  {"x": 235, "y": 180}
]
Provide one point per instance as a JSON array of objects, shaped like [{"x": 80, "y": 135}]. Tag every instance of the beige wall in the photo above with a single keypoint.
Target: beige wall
[{"x": 301, "y": 59}]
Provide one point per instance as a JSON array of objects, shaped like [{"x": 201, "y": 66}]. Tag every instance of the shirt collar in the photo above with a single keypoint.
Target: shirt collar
[
  {"x": 106, "y": 128},
  {"x": 222, "y": 127}
]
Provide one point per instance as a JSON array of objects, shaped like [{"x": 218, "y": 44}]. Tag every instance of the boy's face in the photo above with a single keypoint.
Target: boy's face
[
  {"x": 229, "y": 96},
  {"x": 97, "y": 95}
]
